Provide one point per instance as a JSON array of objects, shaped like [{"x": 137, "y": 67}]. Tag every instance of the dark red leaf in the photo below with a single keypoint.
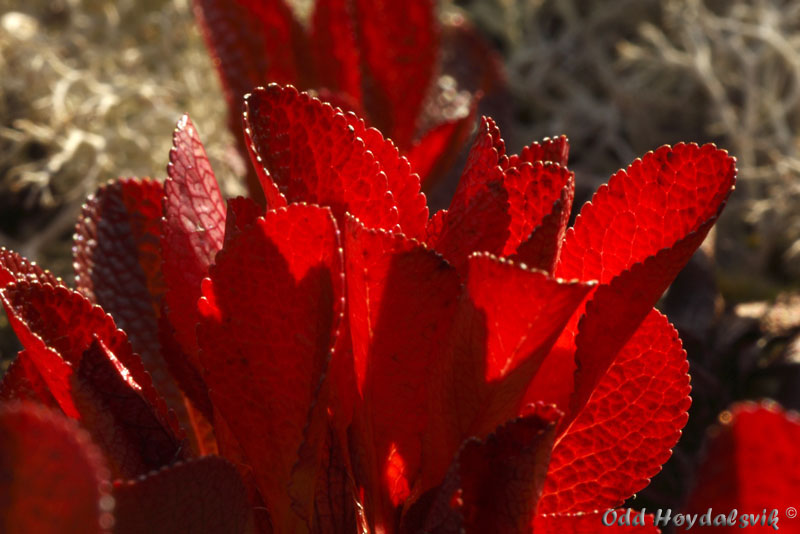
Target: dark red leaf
[
  {"x": 129, "y": 421},
  {"x": 203, "y": 496},
  {"x": 242, "y": 212},
  {"x": 14, "y": 267},
  {"x": 271, "y": 311},
  {"x": 750, "y": 465},
  {"x": 52, "y": 479},
  {"x": 592, "y": 523},
  {"x": 627, "y": 429},
  {"x": 252, "y": 43},
  {"x": 400, "y": 46},
  {"x": 117, "y": 260},
  {"x": 336, "y": 501},
  {"x": 334, "y": 48},
  {"x": 313, "y": 154},
  {"x": 507, "y": 323},
  {"x": 493, "y": 486},
  {"x": 193, "y": 230},
  {"x": 402, "y": 298},
  {"x": 22, "y": 381},
  {"x": 55, "y": 323},
  {"x": 433, "y": 154}
]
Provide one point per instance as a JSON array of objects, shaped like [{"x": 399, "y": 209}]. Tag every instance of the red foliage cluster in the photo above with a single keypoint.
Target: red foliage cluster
[
  {"x": 359, "y": 366},
  {"x": 377, "y": 58}
]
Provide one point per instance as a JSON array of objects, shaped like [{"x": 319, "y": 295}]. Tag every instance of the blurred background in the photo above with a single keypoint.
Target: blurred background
[{"x": 90, "y": 90}]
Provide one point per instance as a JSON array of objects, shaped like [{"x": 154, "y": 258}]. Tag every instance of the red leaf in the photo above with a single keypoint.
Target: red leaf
[
  {"x": 336, "y": 502},
  {"x": 493, "y": 486},
  {"x": 242, "y": 212},
  {"x": 658, "y": 201},
  {"x": 313, "y": 154},
  {"x": 54, "y": 323},
  {"x": 549, "y": 149},
  {"x": 506, "y": 325},
  {"x": 334, "y": 48},
  {"x": 481, "y": 225},
  {"x": 203, "y": 496},
  {"x": 750, "y": 465},
  {"x": 412, "y": 206},
  {"x": 532, "y": 191},
  {"x": 14, "y": 267},
  {"x": 400, "y": 43},
  {"x": 436, "y": 151},
  {"x": 244, "y": 38},
  {"x": 193, "y": 230},
  {"x": 401, "y": 300},
  {"x": 129, "y": 421},
  {"x": 541, "y": 249},
  {"x": 627, "y": 429},
  {"x": 487, "y": 152},
  {"x": 67, "y": 322},
  {"x": 22, "y": 381},
  {"x": 117, "y": 260},
  {"x": 634, "y": 237},
  {"x": 592, "y": 523},
  {"x": 270, "y": 312},
  {"x": 52, "y": 479}
]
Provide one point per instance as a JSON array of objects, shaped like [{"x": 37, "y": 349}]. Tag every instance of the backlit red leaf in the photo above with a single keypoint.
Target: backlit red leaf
[
  {"x": 203, "y": 496},
  {"x": 252, "y": 43},
  {"x": 532, "y": 191},
  {"x": 627, "y": 429},
  {"x": 750, "y": 465},
  {"x": 314, "y": 155},
  {"x": 541, "y": 249},
  {"x": 127, "y": 420},
  {"x": 14, "y": 267},
  {"x": 402, "y": 299},
  {"x": 193, "y": 230},
  {"x": 433, "y": 154},
  {"x": 117, "y": 260},
  {"x": 400, "y": 43},
  {"x": 412, "y": 206},
  {"x": 334, "y": 48},
  {"x": 22, "y": 381},
  {"x": 52, "y": 479},
  {"x": 493, "y": 486},
  {"x": 555, "y": 150},
  {"x": 507, "y": 322},
  {"x": 657, "y": 201},
  {"x": 634, "y": 237},
  {"x": 270, "y": 312}
]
